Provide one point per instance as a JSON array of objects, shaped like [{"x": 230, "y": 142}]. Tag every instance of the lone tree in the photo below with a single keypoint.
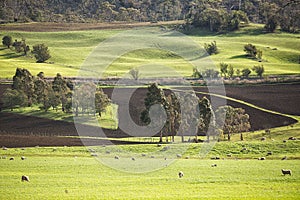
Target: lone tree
[
  {"x": 13, "y": 98},
  {"x": 21, "y": 46},
  {"x": 224, "y": 69},
  {"x": 23, "y": 81},
  {"x": 232, "y": 120},
  {"x": 251, "y": 50},
  {"x": 211, "y": 48},
  {"x": 59, "y": 86},
  {"x": 207, "y": 117},
  {"x": 246, "y": 73},
  {"x": 41, "y": 53},
  {"x": 7, "y": 41},
  {"x": 101, "y": 101},
  {"x": 155, "y": 96},
  {"x": 135, "y": 73},
  {"x": 259, "y": 70}
]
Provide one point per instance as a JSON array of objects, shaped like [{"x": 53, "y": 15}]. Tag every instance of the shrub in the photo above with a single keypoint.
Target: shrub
[
  {"x": 41, "y": 53},
  {"x": 246, "y": 72},
  {"x": 210, "y": 73},
  {"x": 224, "y": 69},
  {"x": 211, "y": 48},
  {"x": 259, "y": 70},
  {"x": 251, "y": 50}
]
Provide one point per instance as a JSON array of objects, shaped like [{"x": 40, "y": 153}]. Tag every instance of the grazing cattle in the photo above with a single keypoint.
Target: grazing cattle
[
  {"x": 284, "y": 172},
  {"x": 23, "y": 158},
  {"x": 180, "y": 174},
  {"x": 25, "y": 178},
  {"x": 262, "y": 158},
  {"x": 133, "y": 159},
  {"x": 12, "y": 158},
  {"x": 214, "y": 165},
  {"x": 117, "y": 157}
]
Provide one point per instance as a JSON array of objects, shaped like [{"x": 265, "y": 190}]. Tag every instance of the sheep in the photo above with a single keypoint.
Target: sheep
[
  {"x": 152, "y": 157},
  {"x": 4, "y": 148},
  {"x": 263, "y": 139},
  {"x": 133, "y": 159},
  {"x": 288, "y": 171},
  {"x": 179, "y": 155},
  {"x": 107, "y": 152},
  {"x": 180, "y": 174},
  {"x": 292, "y": 138},
  {"x": 284, "y": 158},
  {"x": 244, "y": 149},
  {"x": 214, "y": 165},
  {"x": 23, "y": 158},
  {"x": 262, "y": 158},
  {"x": 144, "y": 155},
  {"x": 117, "y": 157},
  {"x": 158, "y": 145},
  {"x": 25, "y": 178},
  {"x": 166, "y": 148}
]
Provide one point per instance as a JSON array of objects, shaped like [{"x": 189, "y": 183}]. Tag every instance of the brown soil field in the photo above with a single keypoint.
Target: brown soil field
[
  {"x": 52, "y": 27},
  {"x": 18, "y": 130},
  {"x": 283, "y": 98}
]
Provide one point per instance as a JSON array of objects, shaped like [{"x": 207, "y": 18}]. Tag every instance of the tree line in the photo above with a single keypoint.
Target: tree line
[
  {"x": 206, "y": 122},
  {"x": 88, "y": 99},
  {"x": 40, "y": 51},
  {"x": 216, "y": 15},
  {"x": 28, "y": 90}
]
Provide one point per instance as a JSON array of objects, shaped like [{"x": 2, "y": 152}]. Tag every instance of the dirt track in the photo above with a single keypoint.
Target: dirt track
[
  {"x": 26, "y": 128},
  {"x": 52, "y": 27}
]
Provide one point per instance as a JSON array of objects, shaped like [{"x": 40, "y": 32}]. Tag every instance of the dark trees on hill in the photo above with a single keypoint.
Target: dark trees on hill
[{"x": 225, "y": 15}]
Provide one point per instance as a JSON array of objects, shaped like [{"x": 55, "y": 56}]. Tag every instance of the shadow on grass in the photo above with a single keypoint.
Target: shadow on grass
[
  {"x": 239, "y": 56},
  {"x": 11, "y": 55}
]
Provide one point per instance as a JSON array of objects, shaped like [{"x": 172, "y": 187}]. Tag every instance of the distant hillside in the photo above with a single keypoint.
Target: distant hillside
[{"x": 276, "y": 12}]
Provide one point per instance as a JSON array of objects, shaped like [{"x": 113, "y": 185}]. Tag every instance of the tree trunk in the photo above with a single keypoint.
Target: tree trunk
[
  {"x": 160, "y": 137},
  {"x": 228, "y": 136},
  {"x": 242, "y": 138}
]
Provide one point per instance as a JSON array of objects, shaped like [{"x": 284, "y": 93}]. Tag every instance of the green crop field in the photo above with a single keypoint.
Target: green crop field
[
  {"x": 69, "y": 49},
  {"x": 71, "y": 173}
]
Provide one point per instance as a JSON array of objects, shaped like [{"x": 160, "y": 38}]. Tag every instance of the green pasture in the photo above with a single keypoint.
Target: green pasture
[
  {"x": 69, "y": 50},
  {"x": 71, "y": 173}
]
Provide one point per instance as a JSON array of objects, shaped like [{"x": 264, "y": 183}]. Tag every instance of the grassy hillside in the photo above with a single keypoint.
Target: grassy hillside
[{"x": 70, "y": 48}]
